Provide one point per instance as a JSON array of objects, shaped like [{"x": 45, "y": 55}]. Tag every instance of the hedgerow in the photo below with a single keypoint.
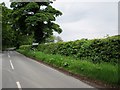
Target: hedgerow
[
  {"x": 97, "y": 50},
  {"x": 74, "y": 56}
]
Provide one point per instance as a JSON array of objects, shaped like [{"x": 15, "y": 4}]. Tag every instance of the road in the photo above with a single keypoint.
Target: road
[{"x": 19, "y": 71}]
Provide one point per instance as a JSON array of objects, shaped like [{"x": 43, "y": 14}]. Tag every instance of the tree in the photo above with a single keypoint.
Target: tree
[
  {"x": 58, "y": 39},
  {"x": 11, "y": 37},
  {"x": 7, "y": 33},
  {"x": 53, "y": 38},
  {"x": 35, "y": 17},
  {"x": 50, "y": 39}
]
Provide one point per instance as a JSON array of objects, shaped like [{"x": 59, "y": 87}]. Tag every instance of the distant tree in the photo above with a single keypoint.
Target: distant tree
[
  {"x": 58, "y": 39},
  {"x": 35, "y": 17},
  {"x": 50, "y": 39},
  {"x": 53, "y": 38}
]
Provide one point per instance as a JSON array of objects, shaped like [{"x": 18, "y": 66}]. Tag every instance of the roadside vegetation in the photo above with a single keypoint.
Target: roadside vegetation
[
  {"x": 34, "y": 22},
  {"x": 95, "y": 50},
  {"x": 11, "y": 37},
  {"x": 28, "y": 22},
  {"x": 103, "y": 68}
]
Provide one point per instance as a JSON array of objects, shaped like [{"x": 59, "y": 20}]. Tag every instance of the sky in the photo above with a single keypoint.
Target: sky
[{"x": 86, "y": 18}]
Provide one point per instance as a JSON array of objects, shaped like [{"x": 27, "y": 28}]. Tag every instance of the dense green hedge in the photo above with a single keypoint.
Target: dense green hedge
[{"x": 96, "y": 50}]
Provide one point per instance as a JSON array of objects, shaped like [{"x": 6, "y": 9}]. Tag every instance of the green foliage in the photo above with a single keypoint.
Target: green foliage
[
  {"x": 97, "y": 50},
  {"x": 25, "y": 47},
  {"x": 90, "y": 58},
  {"x": 11, "y": 37},
  {"x": 31, "y": 17},
  {"x": 7, "y": 32},
  {"x": 50, "y": 39},
  {"x": 105, "y": 72}
]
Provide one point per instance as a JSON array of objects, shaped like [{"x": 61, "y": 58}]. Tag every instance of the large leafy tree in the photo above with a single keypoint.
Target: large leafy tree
[
  {"x": 11, "y": 37},
  {"x": 35, "y": 17},
  {"x": 7, "y": 32}
]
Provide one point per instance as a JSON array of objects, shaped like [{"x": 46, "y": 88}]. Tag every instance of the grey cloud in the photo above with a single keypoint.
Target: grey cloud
[
  {"x": 89, "y": 20},
  {"x": 72, "y": 17},
  {"x": 73, "y": 12}
]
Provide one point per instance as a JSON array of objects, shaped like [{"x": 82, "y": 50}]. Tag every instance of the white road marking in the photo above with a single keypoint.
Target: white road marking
[
  {"x": 11, "y": 65},
  {"x": 8, "y": 55},
  {"x": 18, "y": 85}
]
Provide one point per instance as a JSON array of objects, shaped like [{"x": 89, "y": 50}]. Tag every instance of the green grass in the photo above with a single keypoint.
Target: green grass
[{"x": 104, "y": 72}]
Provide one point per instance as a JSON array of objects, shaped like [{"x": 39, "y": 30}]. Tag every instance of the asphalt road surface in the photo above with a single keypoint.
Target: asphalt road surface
[{"x": 19, "y": 71}]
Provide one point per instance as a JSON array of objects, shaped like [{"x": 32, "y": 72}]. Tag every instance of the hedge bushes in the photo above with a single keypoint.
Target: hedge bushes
[
  {"x": 105, "y": 72},
  {"x": 97, "y": 50}
]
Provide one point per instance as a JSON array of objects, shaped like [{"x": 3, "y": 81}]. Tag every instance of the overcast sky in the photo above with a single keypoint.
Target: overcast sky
[{"x": 86, "y": 18}]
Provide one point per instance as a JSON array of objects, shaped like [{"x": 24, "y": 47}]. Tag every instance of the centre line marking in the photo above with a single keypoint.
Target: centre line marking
[
  {"x": 11, "y": 65},
  {"x": 18, "y": 85},
  {"x": 8, "y": 55}
]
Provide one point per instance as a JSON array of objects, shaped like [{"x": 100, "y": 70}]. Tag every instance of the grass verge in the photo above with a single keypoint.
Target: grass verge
[{"x": 105, "y": 72}]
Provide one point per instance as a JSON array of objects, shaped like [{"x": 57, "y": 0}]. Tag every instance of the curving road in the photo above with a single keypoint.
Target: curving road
[{"x": 19, "y": 71}]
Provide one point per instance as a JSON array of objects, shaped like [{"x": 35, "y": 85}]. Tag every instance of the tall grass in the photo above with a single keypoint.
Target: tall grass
[{"x": 104, "y": 72}]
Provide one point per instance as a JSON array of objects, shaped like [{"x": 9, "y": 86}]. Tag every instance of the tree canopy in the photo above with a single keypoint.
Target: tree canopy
[
  {"x": 35, "y": 18},
  {"x": 11, "y": 37},
  {"x": 7, "y": 33}
]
